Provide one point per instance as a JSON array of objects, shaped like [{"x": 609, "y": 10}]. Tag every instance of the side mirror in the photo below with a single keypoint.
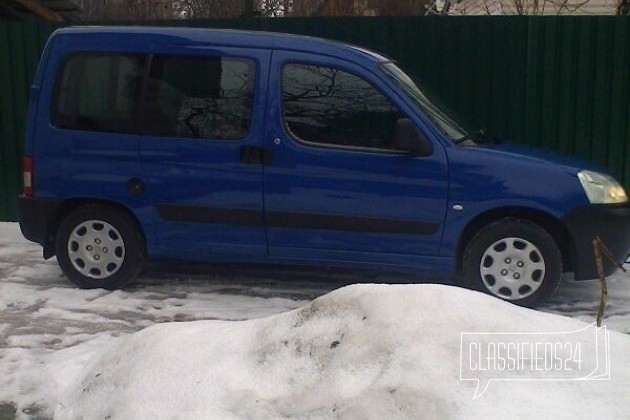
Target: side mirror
[{"x": 409, "y": 139}]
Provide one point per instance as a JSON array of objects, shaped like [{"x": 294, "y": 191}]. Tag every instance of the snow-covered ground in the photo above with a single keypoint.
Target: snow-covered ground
[{"x": 50, "y": 331}]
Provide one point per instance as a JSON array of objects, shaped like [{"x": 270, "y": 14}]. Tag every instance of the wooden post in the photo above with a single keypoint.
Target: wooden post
[{"x": 597, "y": 248}]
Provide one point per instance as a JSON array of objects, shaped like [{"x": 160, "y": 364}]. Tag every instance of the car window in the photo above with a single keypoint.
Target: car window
[
  {"x": 99, "y": 93},
  {"x": 444, "y": 122},
  {"x": 199, "y": 97},
  {"x": 330, "y": 106}
]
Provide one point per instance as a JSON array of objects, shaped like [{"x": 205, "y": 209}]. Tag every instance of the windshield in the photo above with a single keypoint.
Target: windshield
[{"x": 445, "y": 123}]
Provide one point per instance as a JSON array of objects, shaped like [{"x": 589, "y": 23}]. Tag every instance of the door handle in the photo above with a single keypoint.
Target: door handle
[{"x": 253, "y": 155}]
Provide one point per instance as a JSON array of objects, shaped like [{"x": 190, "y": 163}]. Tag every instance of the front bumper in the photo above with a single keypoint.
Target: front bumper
[
  {"x": 36, "y": 215},
  {"x": 611, "y": 223}
]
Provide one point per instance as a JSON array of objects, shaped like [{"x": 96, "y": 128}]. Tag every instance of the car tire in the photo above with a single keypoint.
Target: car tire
[
  {"x": 99, "y": 247},
  {"x": 515, "y": 260}
]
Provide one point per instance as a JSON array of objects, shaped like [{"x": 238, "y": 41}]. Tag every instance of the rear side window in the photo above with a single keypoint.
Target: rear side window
[
  {"x": 330, "y": 106},
  {"x": 99, "y": 93},
  {"x": 199, "y": 97}
]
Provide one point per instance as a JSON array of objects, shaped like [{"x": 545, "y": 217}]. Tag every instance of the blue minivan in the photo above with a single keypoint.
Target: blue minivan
[{"x": 218, "y": 145}]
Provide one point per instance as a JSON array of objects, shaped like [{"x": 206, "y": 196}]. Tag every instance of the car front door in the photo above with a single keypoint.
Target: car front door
[
  {"x": 202, "y": 127},
  {"x": 339, "y": 187}
]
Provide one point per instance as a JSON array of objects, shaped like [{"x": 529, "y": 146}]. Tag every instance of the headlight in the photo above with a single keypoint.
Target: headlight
[{"x": 601, "y": 189}]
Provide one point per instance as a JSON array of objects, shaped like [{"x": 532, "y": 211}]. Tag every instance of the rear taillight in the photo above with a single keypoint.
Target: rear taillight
[{"x": 27, "y": 175}]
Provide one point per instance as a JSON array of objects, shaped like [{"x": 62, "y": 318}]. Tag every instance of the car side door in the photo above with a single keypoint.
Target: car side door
[
  {"x": 339, "y": 186},
  {"x": 203, "y": 120}
]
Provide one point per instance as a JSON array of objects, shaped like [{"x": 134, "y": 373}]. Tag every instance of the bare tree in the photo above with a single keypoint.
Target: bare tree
[
  {"x": 402, "y": 7},
  {"x": 308, "y": 7},
  {"x": 359, "y": 7},
  {"x": 169, "y": 9},
  {"x": 126, "y": 10},
  {"x": 513, "y": 7},
  {"x": 275, "y": 8},
  {"x": 214, "y": 9},
  {"x": 336, "y": 107}
]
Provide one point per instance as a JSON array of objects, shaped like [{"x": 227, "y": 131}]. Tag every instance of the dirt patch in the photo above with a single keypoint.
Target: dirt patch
[{"x": 7, "y": 411}]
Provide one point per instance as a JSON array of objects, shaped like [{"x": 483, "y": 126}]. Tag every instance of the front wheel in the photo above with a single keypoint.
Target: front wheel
[
  {"x": 99, "y": 247},
  {"x": 514, "y": 260}
]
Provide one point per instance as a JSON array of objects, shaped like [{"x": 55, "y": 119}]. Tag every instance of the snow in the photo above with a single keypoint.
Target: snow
[
  {"x": 263, "y": 349},
  {"x": 363, "y": 351}
]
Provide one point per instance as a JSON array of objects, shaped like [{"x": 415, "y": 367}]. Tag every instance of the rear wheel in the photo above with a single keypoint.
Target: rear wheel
[
  {"x": 99, "y": 247},
  {"x": 514, "y": 260}
]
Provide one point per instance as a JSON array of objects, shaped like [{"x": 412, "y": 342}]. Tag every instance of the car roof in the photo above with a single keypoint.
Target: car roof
[{"x": 224, "y": 37}]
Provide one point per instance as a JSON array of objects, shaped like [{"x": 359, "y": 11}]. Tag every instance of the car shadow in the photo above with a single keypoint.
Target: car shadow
[{"x": 267, "y": 280}]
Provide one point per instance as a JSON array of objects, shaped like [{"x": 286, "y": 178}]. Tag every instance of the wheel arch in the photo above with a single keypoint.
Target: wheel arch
[
  {"x": 549, "y": 223},
  {"x": 72, "y": 204}
]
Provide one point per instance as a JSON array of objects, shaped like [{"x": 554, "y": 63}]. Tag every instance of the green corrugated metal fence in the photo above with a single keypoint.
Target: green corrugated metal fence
[
  {"x": 558, "y": 82},
  {"x": 20, "y": 46}
]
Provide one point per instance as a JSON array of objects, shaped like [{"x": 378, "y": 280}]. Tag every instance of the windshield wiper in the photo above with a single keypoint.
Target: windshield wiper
[{"x": 474, "y": 137}]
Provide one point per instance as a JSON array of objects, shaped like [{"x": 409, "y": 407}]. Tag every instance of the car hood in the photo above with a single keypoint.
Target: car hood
[
  {"x": 510, "y": 175},
  {"x": 523, "y": 153}
]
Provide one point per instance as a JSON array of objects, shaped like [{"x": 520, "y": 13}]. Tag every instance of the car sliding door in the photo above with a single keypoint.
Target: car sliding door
[{"x": 202, "y": 125}]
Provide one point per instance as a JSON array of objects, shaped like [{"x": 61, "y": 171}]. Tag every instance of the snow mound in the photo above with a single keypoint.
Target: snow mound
[{"x": 360, "y": 352}]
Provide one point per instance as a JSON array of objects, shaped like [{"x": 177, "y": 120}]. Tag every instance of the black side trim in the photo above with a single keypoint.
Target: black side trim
[
  {"x": 197, "y": 214},
  {"x": 349, "y": 223}
]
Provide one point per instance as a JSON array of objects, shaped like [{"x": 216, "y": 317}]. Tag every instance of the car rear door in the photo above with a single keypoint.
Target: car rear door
[{"x": 86, "y": 131}]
